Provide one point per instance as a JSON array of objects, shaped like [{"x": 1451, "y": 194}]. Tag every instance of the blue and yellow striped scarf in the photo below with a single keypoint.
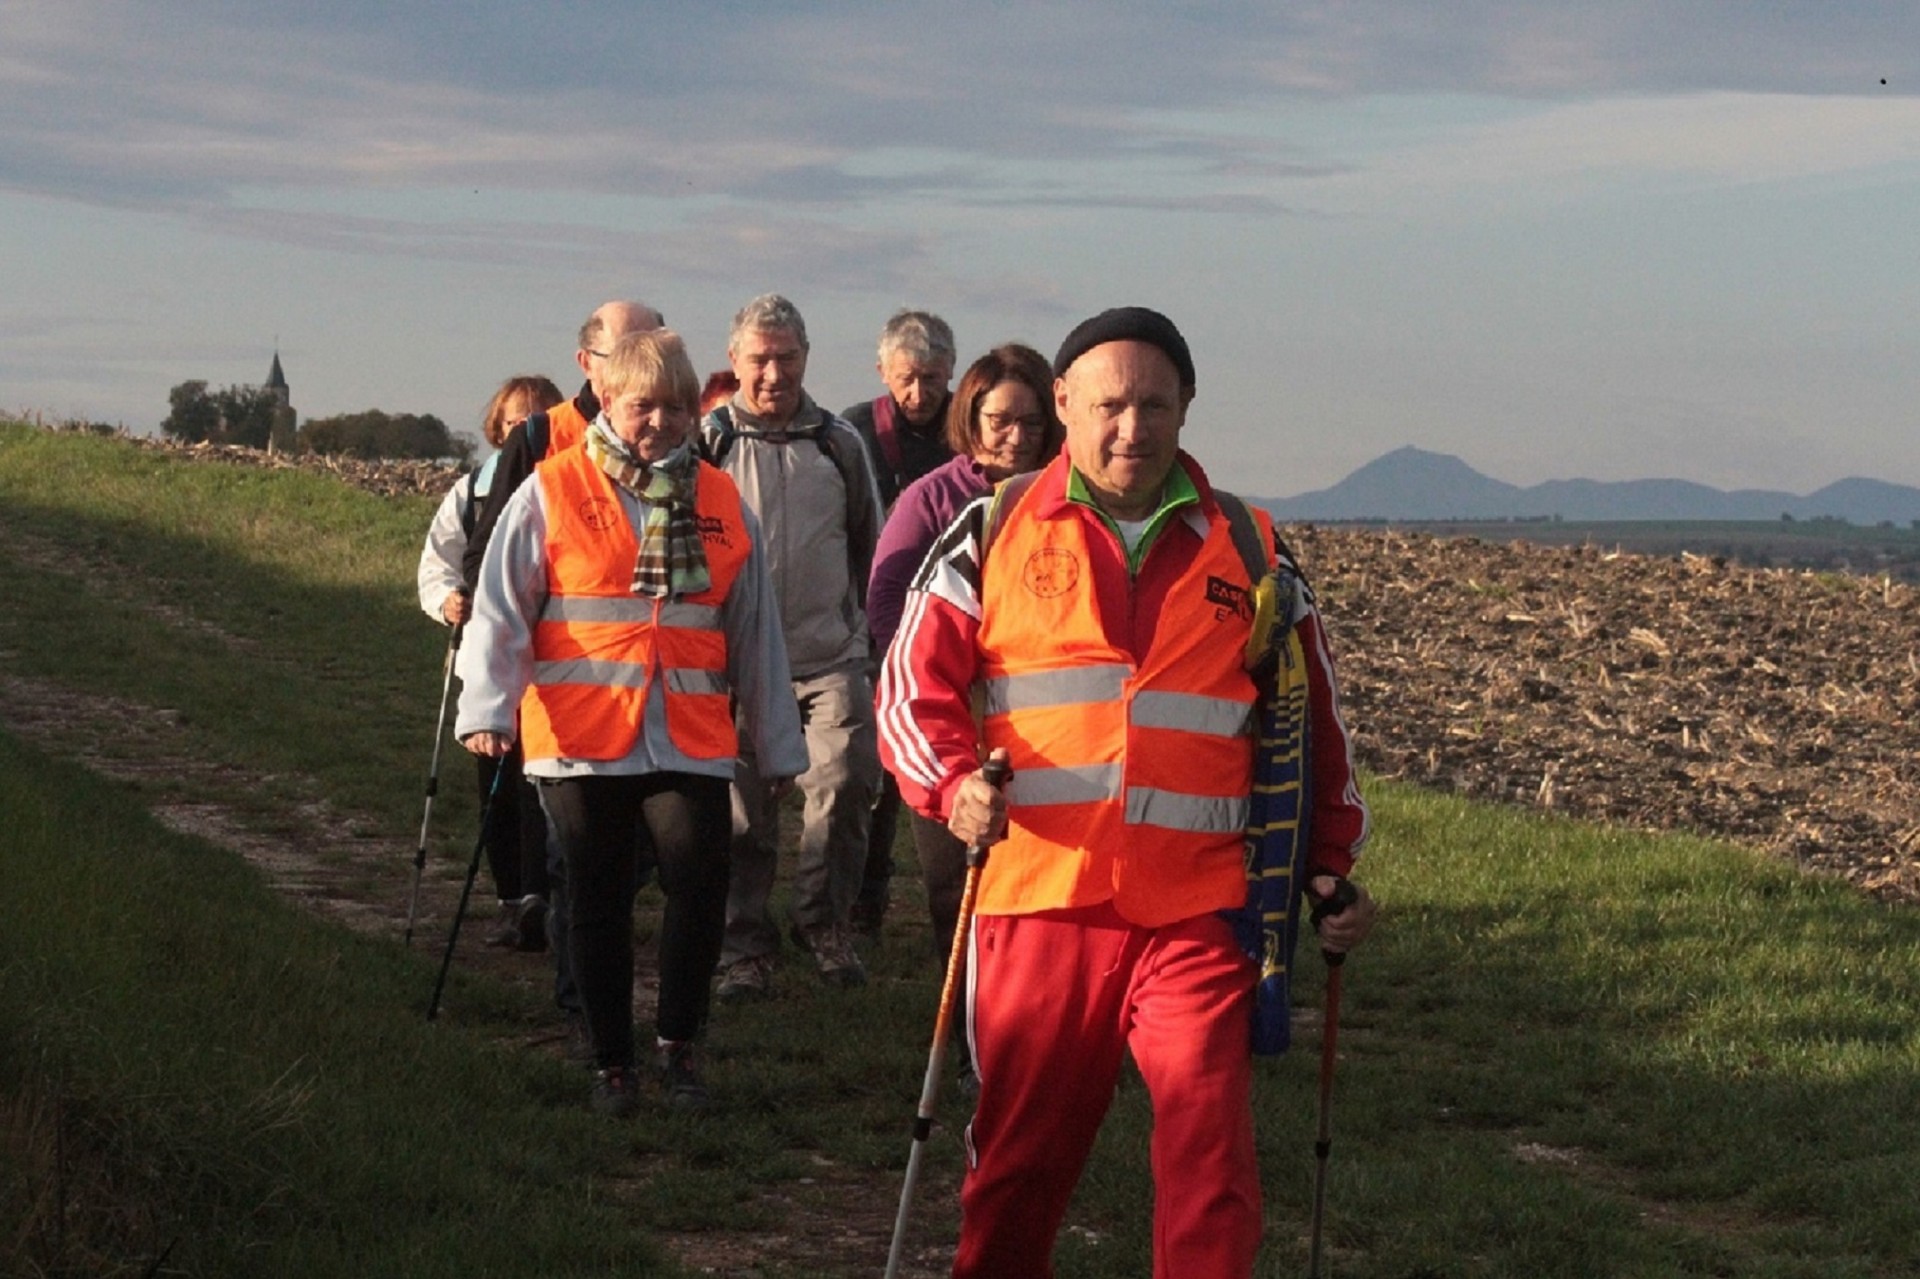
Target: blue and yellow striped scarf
[{"x": 1268, "y": 926}]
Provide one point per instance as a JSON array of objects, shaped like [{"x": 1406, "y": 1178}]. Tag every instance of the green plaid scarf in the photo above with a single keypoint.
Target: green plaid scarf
[{"x": 672, "y": 562}]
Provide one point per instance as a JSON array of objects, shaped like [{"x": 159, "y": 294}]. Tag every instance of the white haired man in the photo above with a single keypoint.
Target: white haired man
[{"x": 905, "y": 432}]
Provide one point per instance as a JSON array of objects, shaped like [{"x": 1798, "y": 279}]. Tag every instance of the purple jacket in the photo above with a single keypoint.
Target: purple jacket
[{"x": 925, "y": 509}]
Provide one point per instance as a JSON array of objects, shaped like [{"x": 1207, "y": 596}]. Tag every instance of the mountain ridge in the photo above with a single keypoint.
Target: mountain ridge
[{"x": 1411, "y": 483}]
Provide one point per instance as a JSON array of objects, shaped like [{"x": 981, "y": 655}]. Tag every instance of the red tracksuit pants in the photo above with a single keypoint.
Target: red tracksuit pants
[{"x": 1058, "y": 999}]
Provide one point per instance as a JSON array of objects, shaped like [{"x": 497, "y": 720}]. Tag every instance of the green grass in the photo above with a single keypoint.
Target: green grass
[
  {"x": 1568, "y": 1050},
  {"x": 200, "y": 1072},
  {"x": 272, "y": 609}
]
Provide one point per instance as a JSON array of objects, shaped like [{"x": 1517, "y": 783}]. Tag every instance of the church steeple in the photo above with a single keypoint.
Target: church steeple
[{"x": 281, "y": 436}]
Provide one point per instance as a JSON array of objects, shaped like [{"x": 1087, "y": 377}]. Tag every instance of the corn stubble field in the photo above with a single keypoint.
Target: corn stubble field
[{"x": 1777, "y": 707}]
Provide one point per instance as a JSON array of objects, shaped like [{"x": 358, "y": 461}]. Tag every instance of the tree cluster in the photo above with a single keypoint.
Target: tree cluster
[
  {"x": 254, "y": 416},
  {"x": 249, "y": 415},
  {"x": 374, "y": 434}
]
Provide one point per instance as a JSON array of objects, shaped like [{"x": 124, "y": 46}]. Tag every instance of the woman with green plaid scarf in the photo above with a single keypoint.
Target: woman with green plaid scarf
[{"x": 622, "y": 612}]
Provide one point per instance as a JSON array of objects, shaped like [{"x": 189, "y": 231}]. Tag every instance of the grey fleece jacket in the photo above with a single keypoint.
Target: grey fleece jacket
[{"x": 818, "y": 525}]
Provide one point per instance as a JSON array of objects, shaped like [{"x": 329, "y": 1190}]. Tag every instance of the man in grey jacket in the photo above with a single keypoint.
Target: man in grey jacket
[{"x": 806, "y": 476}]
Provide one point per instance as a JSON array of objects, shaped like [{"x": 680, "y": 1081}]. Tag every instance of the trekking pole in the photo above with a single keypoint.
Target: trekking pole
[
  {"x": 996, "y": 771},
  {"x": 433, "y": 777},
  {"x": 466, "y": 891},
  {"x": 1342, "y": 896}
]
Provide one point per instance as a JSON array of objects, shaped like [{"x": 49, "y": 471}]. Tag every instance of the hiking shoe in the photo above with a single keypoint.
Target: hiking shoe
[
  {"x": 506, "y": 934},
  {"x": 832, "y": 949},
  {"x": 680, "y": 1077},
  {"x": 744, "y": 979},
  {"x": 613, "y": 1092},
  {"x": 532, "y": 924}
]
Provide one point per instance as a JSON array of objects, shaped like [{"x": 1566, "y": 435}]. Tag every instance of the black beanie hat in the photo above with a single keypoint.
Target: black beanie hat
[{"x": 1127, "y": 324}]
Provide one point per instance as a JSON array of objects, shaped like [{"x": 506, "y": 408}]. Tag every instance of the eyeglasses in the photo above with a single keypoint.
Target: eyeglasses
[
  {"x": 598, "y": 355},
  {"x": 1007, "y": 421}
]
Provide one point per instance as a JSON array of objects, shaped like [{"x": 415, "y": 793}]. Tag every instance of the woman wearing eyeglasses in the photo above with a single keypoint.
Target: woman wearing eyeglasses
[{"x": 1000, "y": 422}]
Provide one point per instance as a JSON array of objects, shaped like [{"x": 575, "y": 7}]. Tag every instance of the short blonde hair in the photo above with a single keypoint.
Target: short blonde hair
[{"x": 653, "y": 362}]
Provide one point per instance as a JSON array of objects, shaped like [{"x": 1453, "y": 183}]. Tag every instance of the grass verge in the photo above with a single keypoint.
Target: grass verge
[{"x": 201, "y": 1080}]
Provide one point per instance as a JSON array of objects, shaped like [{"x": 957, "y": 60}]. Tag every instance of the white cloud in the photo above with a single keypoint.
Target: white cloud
[{"x": 1719, "y": 137}]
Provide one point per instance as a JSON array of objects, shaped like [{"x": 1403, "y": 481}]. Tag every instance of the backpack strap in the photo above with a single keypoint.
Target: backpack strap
[
  {"x": 886, "y": 431},
  {"x": 1254, "y": 549},
  {"x": 539, "y": 434},
  {"x": 852, "y": 466},
  {"x": 848, "y": 453},
  {"x": 470, "y": 505},
  {"x": 1006, "y": 496},
  {"x": 715, "y": 450}
]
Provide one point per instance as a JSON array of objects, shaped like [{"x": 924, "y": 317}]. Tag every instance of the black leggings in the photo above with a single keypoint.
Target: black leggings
[{"x": 688, "y": 820}]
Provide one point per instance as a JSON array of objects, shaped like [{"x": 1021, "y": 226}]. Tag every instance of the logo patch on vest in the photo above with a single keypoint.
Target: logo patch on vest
[
  {"x": 599, "y": 514},
  {"x": 712, "y": 529},
  {"x": 1228, "y": 598},
  {"x": 1051, "y": 571}
]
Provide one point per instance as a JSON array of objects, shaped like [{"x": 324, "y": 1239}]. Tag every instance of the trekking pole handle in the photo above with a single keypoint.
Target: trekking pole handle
[
  {"x": 997, "y": 772},
  {"x": 1334, "y": 903}
]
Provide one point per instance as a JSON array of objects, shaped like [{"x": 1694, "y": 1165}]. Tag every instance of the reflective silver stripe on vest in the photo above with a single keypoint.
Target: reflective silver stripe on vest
[
  {"x": 587, "y": 670},
  {"x": 629, "y": 608},
  {"x": 690, "y": 617},
  {"x": 691, "y": 679},
  {"x": 1087, "y": 784},
  {"x": 596, "y": 608},
  {"x": 1201, "y": 814},
  {"x": 1192, "y": 713},
  {"x": 1064, "y": 687}
]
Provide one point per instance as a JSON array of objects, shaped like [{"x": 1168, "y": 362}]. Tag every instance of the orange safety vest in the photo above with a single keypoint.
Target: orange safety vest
[
  {"x": 598, "y": 648},
  {"x": 565, "y": 427},
  {"x": 1130, "y": 782}
]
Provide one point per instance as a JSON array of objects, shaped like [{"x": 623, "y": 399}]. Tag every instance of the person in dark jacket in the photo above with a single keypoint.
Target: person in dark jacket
[
  {"x": 906, "y": 436},
  {"x": 905, "y": 429},
  {"x": 1000, "y": 423}
]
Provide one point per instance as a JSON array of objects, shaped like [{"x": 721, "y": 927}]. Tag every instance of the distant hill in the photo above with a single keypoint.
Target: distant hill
[{"x": 1413, "y": 484}]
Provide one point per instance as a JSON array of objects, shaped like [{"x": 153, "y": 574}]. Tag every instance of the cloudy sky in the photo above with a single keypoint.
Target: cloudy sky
[{"x": 1554, "y": 238}]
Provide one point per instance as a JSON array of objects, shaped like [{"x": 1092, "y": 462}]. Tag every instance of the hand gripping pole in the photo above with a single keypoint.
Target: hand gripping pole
[{"x": 1342, "y": 896}]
